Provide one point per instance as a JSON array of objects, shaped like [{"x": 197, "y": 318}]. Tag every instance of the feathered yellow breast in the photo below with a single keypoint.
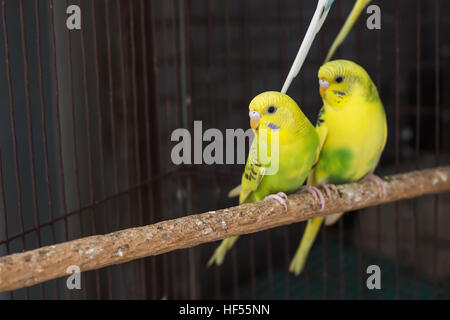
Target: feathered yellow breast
[{"x": 355, "y": 138}]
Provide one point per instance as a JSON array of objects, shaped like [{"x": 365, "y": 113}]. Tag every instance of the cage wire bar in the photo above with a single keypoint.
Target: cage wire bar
[{"x": 85, "y": 140}]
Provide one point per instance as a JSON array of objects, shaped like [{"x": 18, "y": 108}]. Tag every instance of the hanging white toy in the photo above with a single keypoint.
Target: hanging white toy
[{"x": 323, "y": 7}]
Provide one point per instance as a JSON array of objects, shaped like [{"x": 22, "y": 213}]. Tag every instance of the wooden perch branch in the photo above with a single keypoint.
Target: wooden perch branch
[{"x": 36, "y": 266}]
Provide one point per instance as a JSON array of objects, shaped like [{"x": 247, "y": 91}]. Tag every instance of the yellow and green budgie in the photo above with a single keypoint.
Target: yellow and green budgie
[
  {"x": 275, "y": 113},
  {"x": 352, "y": 130}
]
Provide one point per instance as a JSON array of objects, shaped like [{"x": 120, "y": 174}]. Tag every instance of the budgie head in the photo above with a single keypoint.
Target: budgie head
[
  {"x": 339, "y": 80},
  {"x": 277, "y": 112}
]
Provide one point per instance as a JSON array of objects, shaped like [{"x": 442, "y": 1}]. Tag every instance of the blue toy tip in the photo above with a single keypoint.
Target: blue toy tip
[{"x": 330, "y": 2}]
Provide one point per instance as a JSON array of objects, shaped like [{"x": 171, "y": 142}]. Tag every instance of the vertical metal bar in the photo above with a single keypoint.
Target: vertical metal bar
[
  {"x": 417, "y": 144},
  {"x": 269, "y": 265},
  {"x": 325, "y": 263},
  {"x": 305, "y": 273},
  {"x": 234, "y": 261},
  {"x": 88, "y": 125},
  {"x": 112, "y": 114},
  {"x": 378, "y": 208},
  {"x": 167, "y": 108},
  {"x": 30, "y": 132},
  {"x": 194, "y": 253},
  {"x": 5, "y": 213},
  {"x": 359, "y": 54},
  {"x": 437, "y": 116},
  {"x": 147, "y": 131},
  {"x": 156, "y": 109},
  {"x": 58, "y": 126},
  {"x": 359, "y": 258},
  {"x": 235, "y": 273},
  {"x": 172, "y": 185},
  {"x": 305, "y": 276},
  {"x": 44, "y": 130},
  {"x": 74, "y": 131},
  {"x": 89, "y": 138},
  {"x": 341, "y": 259},
  {"x": 125, "y": 122},
  {"x": 265, "y": 83},
  {"x": 13, "y": 132},
  {"x": 184, "y": 112},
  {"x": 397, "y": 137},
  {"x": 247, "y": 95},
  {"x": 198, "y": 265},
  {"x": 183, "y": 71},
  {"x": 124, "y": 102},
  {"x": 212, "y": 103},
  {"x": 179, "y": 116},
  {"x": 58, "y": 123},
  {"x": 282, "y": 22},
  {"x": 136, "y": 136},
  {"x": 324, "y": 230},
  {"x": 173, "y": 22},
  {"x": 341, "y": 221}
]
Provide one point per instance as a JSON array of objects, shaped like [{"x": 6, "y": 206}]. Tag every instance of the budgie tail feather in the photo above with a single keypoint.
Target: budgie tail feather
[
  {"x": 221, "y": 251},
  {"x": 311, "y": 231}
]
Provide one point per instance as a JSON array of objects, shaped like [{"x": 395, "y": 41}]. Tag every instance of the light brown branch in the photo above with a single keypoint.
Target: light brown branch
[{"x": 36, "y": 266}]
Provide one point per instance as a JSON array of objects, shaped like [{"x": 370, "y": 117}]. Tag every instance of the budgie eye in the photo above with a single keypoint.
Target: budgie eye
[
  {"x": 271, "y": 109},
  {"x": 339, "y": 79}
]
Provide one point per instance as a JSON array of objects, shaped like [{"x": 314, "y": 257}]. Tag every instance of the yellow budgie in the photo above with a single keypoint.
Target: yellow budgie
[
  {"x": 352, "y": 130},
  {"x": 275, "y": 113}
]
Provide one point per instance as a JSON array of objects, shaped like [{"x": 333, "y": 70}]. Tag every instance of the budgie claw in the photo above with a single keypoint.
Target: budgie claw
[
  {"x": 281, "y": 197},
  {"x": 328, "y": 188},
  {"x": 379, "y": 182},
  {"x": 316, "y": 193}
]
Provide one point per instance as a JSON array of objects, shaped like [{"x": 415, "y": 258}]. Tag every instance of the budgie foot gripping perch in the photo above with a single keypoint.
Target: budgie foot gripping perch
[{"x": 46, "y": 263}]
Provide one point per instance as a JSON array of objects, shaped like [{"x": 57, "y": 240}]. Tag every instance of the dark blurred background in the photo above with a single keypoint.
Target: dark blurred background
[{"x": 87, "y": 116}]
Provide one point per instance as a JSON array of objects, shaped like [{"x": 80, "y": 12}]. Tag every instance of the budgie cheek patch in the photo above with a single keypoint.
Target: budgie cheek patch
[
  {"x": 273, "y": 126},
  {"x": 336, "y": 98},
  {"x": 339, "y": 93}
]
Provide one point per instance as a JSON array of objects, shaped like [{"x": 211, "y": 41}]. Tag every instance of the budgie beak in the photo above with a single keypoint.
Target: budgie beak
[
  {"x": 323, "y": 86},
  {"x": 254, "y": 119},
  {"x": 254, "y": 123}
]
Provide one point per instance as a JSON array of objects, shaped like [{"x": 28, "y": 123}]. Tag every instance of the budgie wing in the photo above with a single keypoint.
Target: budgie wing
[
  {"x": 253, "y": 173},
  {"x": 322, "y": 132}
]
